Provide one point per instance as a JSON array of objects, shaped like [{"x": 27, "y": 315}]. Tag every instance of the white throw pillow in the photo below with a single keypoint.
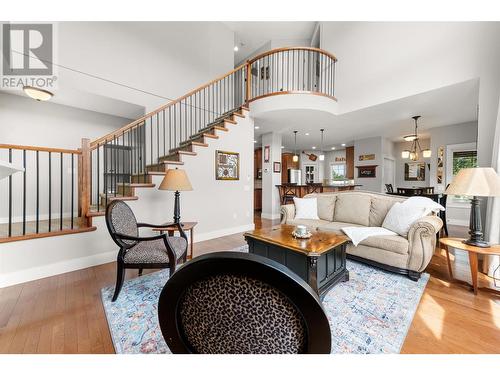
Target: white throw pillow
[
  {"x": 306, "y": 208},
  {"x": 400, "y": 218}
]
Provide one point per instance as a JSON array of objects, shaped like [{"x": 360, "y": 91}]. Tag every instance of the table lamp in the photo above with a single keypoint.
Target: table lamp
[
  {"x": 176, "y": 180},
  {"x": 475, "y": 182}
]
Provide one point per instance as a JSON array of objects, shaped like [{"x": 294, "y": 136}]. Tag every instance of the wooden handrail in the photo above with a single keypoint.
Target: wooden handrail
[
  {"x": 39, "y": 148},
  {"x": 109, "y": 137},
  {"x": 120, "y": 131},
  {"x": 276, "y": 50}
]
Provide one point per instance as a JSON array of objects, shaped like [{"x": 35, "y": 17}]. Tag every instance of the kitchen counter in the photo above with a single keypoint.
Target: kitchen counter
[{"x": 301, "y": 190}]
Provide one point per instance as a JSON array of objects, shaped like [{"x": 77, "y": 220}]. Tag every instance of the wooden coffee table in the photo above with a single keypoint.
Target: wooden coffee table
[{"x": 319, "y": 260}]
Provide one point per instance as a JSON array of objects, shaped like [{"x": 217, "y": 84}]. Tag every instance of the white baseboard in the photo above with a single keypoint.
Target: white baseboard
[
  {"x": 463, "y": 223},
  {"x": 58, "y": 268},
  {"x": 222, "y": 232},
  {"x": 270, "y": 216}
]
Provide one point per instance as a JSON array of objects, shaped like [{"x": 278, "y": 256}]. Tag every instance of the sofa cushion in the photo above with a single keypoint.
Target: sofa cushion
[
  {"x": 308, "y": 222},
  {"x": 400, "y": 218},
  {"x": 352, "y": 208},
  {"x": 326, "y": 205},
  {"x": 379, "y": 208},
  {"x": 306, "y": 208},
  {"x": 394, "y": 244},
  {"x": 336, "y": 226}
]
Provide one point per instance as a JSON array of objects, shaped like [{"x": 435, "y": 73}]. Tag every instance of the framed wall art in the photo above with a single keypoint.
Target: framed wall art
[
  {"x": 367, "y": 171},
  {"x": 414, "y": 171},
  {"x": 227, "y": 165},
  {"x": 267, "y": 154},
  {"x": 277, "y": 167}
]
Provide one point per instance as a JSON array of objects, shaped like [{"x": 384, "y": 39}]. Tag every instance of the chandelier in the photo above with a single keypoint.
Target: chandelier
[{"x": 415, "y": 151}]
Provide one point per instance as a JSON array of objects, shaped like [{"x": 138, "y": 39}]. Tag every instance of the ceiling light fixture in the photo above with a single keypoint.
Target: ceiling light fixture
[
  {"x": 37, "y": 93},
  {"x": 236, "y": 48},
  {"x": 254, "y": 141},
  {"x": 295, "y": 156},
  {"x": 321, "y": 155},
  {"x": 256, "y": 127},
  {"x": 314, "y": 147},
  {"x": 415, "y": 150},
  {"x": 343, "y": 144},
  {"x": 333, "y": 148},
  {"x": 307, "y": 133}
]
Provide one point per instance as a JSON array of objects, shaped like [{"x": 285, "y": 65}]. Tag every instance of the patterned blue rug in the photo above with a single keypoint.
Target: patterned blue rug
[{"x": 371, "y": 313}]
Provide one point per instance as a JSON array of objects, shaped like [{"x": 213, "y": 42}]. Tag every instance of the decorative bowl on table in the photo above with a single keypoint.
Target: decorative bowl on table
[{"x": 301, "y": 232}]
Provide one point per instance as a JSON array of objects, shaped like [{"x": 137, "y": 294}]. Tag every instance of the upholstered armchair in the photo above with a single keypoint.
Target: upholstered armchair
[
  {"x": 241, "y": 303},
  {"x": 160, "y": 251}
]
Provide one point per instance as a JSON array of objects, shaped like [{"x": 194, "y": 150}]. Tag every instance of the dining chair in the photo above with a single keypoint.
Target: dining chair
[
  {"x": 289, "y": 192},
  {"x": 389, "y": 188},
  {"x": 314, "y": 187},
  {"x": 241, "y": 303},
  {"x": 136, "y": 252}
]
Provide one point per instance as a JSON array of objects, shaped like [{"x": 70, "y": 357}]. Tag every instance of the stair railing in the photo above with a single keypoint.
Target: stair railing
[
  {"x": 43, "y": 198},
  {"x": 125, "y": 155}
]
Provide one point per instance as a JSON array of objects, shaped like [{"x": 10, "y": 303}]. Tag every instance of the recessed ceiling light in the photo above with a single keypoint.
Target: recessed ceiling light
[
  {"x": 37, "y": 93},
  {"x": 343, "y": 144},
  {"x": 254, "y": 141},
  {"x": 256, "y": 127},
  {"x": 236, "y": 48},
  {"x": 314, "y": 147},
  {"x": 333, "y": 148},
  {"x": 307, "y": 133}
]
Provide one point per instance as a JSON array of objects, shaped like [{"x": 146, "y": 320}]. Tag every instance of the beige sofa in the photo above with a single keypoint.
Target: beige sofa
[{"x": 405, "y": 255}]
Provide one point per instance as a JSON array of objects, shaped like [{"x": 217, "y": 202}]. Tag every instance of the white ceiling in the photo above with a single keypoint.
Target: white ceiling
[
  {"x": 250, "y": 36},
  {"x": 91, "y": 102},
  {"x": 445, "y": 106}
]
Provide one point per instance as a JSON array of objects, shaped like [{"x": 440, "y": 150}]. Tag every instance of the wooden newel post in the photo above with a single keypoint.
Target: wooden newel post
[
  {"x": 84, "y": 188},
  {"x": 248, "y": 83}
]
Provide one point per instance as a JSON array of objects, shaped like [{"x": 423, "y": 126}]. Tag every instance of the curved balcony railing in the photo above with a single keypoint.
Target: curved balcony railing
[
  {"x": 124, "y": 155},
  {"x": 291, "y": 71}
]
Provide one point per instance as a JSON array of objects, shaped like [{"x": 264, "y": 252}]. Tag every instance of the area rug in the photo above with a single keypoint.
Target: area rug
[{"x": 371, "y": 313}]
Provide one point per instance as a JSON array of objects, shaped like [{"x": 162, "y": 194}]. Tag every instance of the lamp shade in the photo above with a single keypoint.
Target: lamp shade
[
  {"x": 176, "y": 180},
  {"x": 479, "y": 182}
]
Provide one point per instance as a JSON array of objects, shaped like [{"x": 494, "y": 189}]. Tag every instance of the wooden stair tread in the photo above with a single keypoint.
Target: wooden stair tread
[
  {"x": 112, "y": 197},
  {"x": 230, "y": 121},
  {"x": 239, "y": 114}
]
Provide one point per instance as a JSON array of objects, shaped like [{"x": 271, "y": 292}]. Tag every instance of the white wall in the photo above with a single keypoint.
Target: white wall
[
  {"x": 25, "y": 121},
  {"x": 369, "y": 146},
  {"x": 270, "y": 194},
  {"x": 383, "y": 61},
  {"x": 220, "y": 208},
  {"x": 165, "y": 58}
]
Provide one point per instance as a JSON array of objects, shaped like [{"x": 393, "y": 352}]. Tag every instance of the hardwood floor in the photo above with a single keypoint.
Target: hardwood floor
[{"x": 64, "y": 313}]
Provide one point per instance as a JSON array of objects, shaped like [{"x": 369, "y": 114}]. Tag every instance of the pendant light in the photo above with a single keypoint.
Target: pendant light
[
  {"x": 414, "y": 152},
  {"x": 38, "y": 94},
  {"x": 321, "y": 155},
  {"x": 295, "y": 156}
]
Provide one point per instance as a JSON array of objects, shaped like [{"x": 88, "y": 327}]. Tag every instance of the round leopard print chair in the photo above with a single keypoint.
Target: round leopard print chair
[{"x": 240, "y": 303}]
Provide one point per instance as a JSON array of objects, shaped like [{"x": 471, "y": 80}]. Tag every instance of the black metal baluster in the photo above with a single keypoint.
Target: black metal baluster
[
  {"x": 10, "y": 196},
  {"x": 37, "y": 191},
  {"x": 106, "y": 173},
  {"x": 61, "y": 199},
  {"x": 50, "y": 191},
  {"x": 98, "y": 177},
  {"x": 72, "y": 188},
  {"x": 24, "y": 192}
]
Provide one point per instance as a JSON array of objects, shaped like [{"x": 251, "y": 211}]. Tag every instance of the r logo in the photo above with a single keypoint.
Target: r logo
[{"x": 27, "y": 49}]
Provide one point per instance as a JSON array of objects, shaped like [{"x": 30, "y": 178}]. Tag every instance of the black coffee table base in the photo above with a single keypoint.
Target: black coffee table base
[{"x": 321, "y": 272}]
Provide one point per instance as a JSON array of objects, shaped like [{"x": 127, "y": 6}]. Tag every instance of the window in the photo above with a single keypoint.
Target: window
[
  {"x": 458, "y": 157},
  {"x": 464, "y": 159},
  {"x": 338, "y": 171},
  {"x": 310, "y": 174}
]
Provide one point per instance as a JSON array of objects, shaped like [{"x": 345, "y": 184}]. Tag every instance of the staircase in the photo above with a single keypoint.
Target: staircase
[
  {"x": 174, "y": 158},
  {"x": 115, "y": 165}
]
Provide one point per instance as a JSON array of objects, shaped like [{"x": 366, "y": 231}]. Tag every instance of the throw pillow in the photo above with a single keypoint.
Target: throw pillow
[
  {"x": 399, "y": 218},
  {"x": 306, "y": 208}
]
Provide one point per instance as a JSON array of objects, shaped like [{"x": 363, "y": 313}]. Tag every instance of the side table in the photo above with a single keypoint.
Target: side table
[
  {"x": 187, "y": 226},
  {"x": 457, "y": 243}
]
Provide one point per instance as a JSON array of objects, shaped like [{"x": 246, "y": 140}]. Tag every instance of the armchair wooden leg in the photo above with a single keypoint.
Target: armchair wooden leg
[{"x": 120, "y": 275}]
